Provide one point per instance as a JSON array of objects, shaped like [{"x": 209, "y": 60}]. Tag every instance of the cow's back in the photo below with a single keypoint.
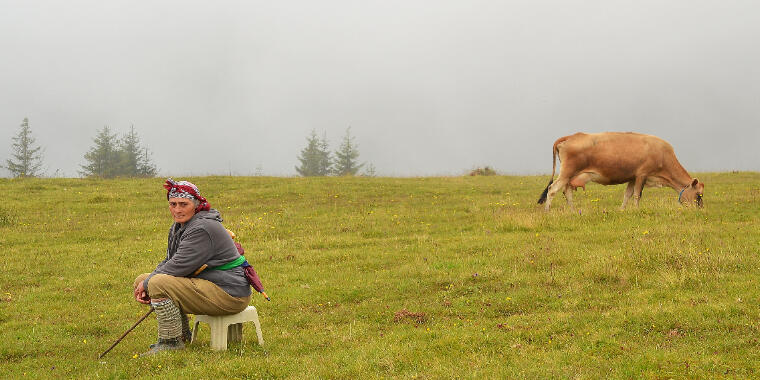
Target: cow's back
[{"x": 617, "y": 157}]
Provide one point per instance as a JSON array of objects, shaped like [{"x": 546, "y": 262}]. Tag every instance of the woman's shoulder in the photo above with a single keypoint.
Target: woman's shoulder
[{"x": 210, "y": 221}]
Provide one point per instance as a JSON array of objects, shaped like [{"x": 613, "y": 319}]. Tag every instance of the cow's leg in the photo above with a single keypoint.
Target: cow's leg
[
  {"x": 638, "y": 187},
  {"x": 578, "y": 181},
  {"x": 560, "y": 184},
  {"x": 627, "y": 194},
  {"x": 569, "y": 196}
]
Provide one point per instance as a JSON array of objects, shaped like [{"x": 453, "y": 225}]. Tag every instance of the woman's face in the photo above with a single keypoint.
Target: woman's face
[{"x": 182, "y": 209}]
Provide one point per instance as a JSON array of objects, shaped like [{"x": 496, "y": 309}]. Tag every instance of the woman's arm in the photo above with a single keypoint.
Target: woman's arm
[{"x": 194, "y": 250}]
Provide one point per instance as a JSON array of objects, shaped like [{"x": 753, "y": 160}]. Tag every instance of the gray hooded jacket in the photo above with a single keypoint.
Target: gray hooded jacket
[{"x": 203, "y": 240}]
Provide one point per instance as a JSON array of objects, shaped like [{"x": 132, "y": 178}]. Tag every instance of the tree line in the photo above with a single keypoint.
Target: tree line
[
  {"x": 110, "y": 156},
  {"x": 123, "y": 156},
  {"x": 317, "y": 160}
]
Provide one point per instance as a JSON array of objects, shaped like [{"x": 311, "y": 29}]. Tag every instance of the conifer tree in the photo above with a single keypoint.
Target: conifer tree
[
  {"x": 26, "y": 158},
  {"x": 315, "y": 157},
  {"x": 130, "y": 154},
  {"x": 346, "y": 162},
  {"x": 325, "y": 158},
  {"x": 113, "y": 157},
  {"x": 146, "y": 167},
  {"x": 103, "y": 159}
]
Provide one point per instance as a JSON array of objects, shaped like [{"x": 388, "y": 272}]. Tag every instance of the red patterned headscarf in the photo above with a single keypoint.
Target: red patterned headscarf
[{"x": 185, "y": 189}]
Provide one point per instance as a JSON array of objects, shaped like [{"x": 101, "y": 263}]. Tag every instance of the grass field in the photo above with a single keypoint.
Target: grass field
[{"x": 395, "y": 277}]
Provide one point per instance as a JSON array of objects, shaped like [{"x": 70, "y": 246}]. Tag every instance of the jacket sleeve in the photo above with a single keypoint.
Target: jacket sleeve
[
  {"x": 161, "y": 264},
  {"x": 194, "y": 250}
]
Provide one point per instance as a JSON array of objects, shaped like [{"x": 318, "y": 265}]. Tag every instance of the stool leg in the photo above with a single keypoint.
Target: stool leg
[
  {"x": 195, "y": 330},
  {"x": 218, "y": 335},
  {"x": 258, "y": 327},
  {"x": 235, "y": 333}
]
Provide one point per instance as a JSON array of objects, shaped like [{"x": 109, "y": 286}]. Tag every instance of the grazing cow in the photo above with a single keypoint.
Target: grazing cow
[{"x": 612, "y": 158}]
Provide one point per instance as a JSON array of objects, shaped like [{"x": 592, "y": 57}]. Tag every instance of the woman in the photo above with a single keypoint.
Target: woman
[{"x": 179, "y": 284}]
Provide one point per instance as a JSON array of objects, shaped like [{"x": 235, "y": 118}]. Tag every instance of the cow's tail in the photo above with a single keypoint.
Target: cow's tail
[{"x": 542, "y": 199}]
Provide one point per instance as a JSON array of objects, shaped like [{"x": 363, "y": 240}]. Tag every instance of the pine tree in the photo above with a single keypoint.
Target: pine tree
[
  {"x": 130, "y": 154},
  {"x": 27, "y": 159},
  {"x": 325, "y": 158},
  {"x": 103, "y": 158},
  {"x": 112, "y": 157},
  {"x": 146, "y": 167},
  {"x": 135, "y": 159},
  {"x": 346, "y": 158},
  {"x": 315, "y": 158}
]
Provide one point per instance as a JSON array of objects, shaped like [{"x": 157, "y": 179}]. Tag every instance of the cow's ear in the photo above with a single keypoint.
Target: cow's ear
[{"x": 694, "y": 182}]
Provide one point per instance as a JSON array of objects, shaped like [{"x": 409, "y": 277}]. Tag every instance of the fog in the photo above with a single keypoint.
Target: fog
[{"x": 427, "y": 87}]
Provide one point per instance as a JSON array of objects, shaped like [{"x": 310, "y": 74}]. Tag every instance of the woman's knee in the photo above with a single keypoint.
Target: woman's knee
[
  {"x": 159, "y": 284},
  {"x": 140, "y": 279},
  {"x": 167, "y": 286}
]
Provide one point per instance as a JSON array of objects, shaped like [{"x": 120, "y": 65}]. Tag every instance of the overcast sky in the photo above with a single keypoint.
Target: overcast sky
[{"x": 428, "y": 87}]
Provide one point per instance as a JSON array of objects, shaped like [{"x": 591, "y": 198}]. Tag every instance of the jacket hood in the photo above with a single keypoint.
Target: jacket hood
[{"x": 212, "y": 214}]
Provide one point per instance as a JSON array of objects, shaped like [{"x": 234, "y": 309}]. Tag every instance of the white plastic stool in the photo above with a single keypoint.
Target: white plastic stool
[{"x": 232, "y": 325}]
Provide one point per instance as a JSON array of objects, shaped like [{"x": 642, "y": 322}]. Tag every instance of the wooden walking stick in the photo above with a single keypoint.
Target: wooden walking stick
[{"x": 126, "y": 332}]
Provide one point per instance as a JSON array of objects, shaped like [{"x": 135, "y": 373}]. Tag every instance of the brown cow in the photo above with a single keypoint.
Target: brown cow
[{"x": 612, "y": 158}]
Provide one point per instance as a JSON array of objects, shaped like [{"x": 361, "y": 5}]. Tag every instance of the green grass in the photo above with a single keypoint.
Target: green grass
[{"x": 395, "y": 277}]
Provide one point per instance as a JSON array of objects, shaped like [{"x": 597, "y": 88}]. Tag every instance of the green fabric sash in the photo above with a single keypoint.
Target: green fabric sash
[{"x": 231, "y": 264}]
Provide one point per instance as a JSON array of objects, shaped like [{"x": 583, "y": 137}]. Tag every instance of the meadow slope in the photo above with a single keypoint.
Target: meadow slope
[{"x": 395, "y": 277}]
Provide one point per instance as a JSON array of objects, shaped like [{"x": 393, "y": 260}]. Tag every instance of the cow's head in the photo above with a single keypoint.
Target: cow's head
[{"x": 692, "y": 194}]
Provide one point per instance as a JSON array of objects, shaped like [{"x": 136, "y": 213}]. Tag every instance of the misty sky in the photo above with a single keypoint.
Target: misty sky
[{"x": 427, "y": 87}]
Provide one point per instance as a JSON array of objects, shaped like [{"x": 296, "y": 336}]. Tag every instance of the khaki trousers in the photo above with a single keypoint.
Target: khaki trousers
[{"x": 194, "y": 295}]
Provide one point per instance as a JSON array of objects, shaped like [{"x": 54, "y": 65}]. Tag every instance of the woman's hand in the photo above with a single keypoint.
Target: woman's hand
[{"x": 141, "y": 295}]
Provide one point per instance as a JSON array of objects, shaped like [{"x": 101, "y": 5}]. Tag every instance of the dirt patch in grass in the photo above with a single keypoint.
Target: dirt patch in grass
[{"x": 406, "y": 315}]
